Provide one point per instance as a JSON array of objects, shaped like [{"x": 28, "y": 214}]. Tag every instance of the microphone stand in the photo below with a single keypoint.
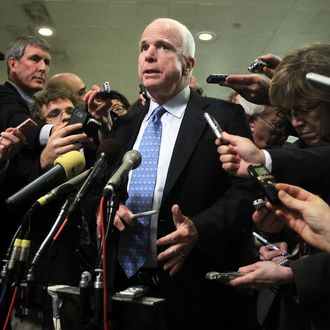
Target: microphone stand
[{"x": 58, "y": 222}]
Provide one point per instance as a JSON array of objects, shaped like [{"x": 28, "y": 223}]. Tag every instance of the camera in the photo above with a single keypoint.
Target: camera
[
  {"x": 90, "y": 125},
  {"x": 258, "y": 66}
]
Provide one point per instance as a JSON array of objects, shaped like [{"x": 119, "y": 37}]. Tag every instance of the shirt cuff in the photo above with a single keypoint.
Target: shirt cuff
[
  {"x": 268, "y": 160},
  {"x": 45, "y": 133}
]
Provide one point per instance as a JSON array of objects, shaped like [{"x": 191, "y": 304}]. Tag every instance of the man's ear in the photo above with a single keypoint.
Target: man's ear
[
  {"x": 188, "y": 65},
  {"x": 11, "y": 62}
]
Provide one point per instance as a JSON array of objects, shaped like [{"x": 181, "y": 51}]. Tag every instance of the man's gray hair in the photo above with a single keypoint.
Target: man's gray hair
[
  {"x": 16, "y": 48},
  {"x": 188, "y": 42}
]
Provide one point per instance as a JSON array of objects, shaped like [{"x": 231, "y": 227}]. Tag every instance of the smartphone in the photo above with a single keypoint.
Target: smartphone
[
  {"x": 258, "y": 66},
  {"x": 90, "y": 125},
  {"x": 227, "y": 276},
  {"x": 28, "y": 128},
  {"x": 215, "y": 78},
  {"x": 265, "y": 182},
  {"x": 214, "y": 125}
]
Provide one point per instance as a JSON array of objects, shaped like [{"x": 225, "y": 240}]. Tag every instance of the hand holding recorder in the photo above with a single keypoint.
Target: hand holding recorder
[
  {"x": 238, "y": 154},
  {"x": 305, "y": 213},
  {"x": 11, "y": 142}
]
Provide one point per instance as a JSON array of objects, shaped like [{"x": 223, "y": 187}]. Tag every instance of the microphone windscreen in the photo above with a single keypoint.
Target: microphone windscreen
[
  {"x": 73, "y": 163},
  {"x": 111, "y": 148}
]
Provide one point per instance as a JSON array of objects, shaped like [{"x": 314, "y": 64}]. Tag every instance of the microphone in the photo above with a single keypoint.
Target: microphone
[
  {"x": 64, "y": 189},
  {"x": 107, "y": 151},
  {"x": 65, "y": 167},
  {"x": 131, "y": 160},
  {"x": 318, "y": 79}
]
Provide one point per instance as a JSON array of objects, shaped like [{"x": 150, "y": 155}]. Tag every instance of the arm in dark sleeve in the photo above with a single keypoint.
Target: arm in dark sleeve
[
  {"x": 312, "y": 278},
  {"x": 308, "y": 168}
]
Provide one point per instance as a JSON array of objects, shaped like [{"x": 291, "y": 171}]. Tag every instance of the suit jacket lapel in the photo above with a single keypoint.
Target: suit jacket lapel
[{"x": 192, "y": 126}]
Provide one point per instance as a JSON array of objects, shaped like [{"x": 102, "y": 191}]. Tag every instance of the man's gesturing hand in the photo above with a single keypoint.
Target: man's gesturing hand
[{"x": 181, "y": 242}]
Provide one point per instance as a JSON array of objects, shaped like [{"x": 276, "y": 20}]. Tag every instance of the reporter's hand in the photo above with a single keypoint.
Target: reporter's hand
[
  {"x": 96, "y": 106},
  {"x": 277, "y": 256},
  {"x": 238, "y": 154},
  {"x": 123, "y": 217},
  {"x": 60, "y": 142},
  {"x": 274, "y": 60},
  {"x": 253, "y": 87},
  {"x": 180, "y": 242},
  {"x": 11, "y": 142},
  {"x": 263, "y": 274},
  {"x": 305, "y": 213},
  {"x": 266, "y": 221}
]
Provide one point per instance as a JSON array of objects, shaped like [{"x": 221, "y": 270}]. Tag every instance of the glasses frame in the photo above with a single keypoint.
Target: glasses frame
[
  {"x": 289, "y": 113},
  {"x": 60, "y": 114}
]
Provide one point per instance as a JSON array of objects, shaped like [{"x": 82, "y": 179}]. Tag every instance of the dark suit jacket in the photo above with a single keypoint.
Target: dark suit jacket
[
  {"x": 306, "y": 304},
  {"x": 22, "y": 168},
  {"x": 308, "y": 167},
  {"x": 219, "y": 205}
]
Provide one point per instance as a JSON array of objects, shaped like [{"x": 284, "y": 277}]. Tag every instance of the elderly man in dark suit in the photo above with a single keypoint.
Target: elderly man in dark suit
[{"x": 202, "y": 210}]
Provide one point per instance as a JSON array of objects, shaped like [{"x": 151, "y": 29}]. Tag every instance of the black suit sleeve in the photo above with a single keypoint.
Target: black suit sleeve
[{"x": 308, "y": 168}]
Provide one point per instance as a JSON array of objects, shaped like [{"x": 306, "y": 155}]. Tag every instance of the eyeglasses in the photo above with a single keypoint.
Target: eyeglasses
[
  {"x": 57, "y": 112},
  {"x": 118, "y": 109},
  {"x": 298, "y": 112},
  {"x": 278, "y": 125}
]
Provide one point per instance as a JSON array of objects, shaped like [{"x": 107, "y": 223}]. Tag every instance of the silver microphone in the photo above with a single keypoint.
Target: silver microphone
[{"x": 131, "y": 160}]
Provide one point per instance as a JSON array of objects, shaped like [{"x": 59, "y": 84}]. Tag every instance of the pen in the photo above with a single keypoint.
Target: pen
[
  {"x": 263, "y": 240},
  {"x": 143, "y": 214}
]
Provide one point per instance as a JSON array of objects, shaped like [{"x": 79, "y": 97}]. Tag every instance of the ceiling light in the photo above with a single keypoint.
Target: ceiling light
[
  {"x": 206, "y": 36},
  {"x": 45, "y": 31}
]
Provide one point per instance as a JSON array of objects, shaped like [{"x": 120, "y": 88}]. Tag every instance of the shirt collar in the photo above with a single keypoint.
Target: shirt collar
[
  {"x": 27, "y": 98},
  {"x": 175, "y": 106}
]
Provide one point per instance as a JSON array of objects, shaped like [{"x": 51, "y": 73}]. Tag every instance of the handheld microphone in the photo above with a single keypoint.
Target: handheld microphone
[
  {"x": 65, "y": 167},
  {"x": 64, "y": 189},
  {"x": 318, "y": 79},
  {"x": 108, "y": 151},
  {"x": 131, "y": 160}
]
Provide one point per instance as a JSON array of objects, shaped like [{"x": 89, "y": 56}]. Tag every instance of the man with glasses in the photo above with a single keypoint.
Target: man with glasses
[{"x": 55, "y": 107}]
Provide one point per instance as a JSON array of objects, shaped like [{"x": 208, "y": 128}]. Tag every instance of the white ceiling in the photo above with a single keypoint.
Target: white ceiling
[{"x": 98, "y": 39}]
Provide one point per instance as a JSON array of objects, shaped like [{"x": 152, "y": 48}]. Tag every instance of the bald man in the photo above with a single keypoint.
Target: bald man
[{"x": 67, "y": 80}]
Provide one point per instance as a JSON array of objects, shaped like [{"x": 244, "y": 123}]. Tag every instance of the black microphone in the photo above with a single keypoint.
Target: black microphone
[
  {"x": 319, "y": 80},
  {"x": 2, "y": 56},
  {"x": 108, "y": 151},
  {"x": 131, "y": 160},
  {"x": 65, "y": 188},
  {"x": 65, "y": 167}
]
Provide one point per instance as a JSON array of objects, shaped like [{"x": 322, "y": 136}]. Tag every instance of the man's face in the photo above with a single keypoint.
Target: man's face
[
  {"x": 161, "y": 64},
  {"x": 57, "y": 112},
  {"x": 31, "y": 70}
]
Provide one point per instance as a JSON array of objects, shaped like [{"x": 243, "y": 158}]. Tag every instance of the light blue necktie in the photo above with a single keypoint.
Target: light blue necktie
[{"x": 133, "y": 243}]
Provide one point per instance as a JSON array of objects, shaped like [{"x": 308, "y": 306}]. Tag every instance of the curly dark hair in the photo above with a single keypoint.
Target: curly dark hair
[{"x": 51, "y": 95}]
